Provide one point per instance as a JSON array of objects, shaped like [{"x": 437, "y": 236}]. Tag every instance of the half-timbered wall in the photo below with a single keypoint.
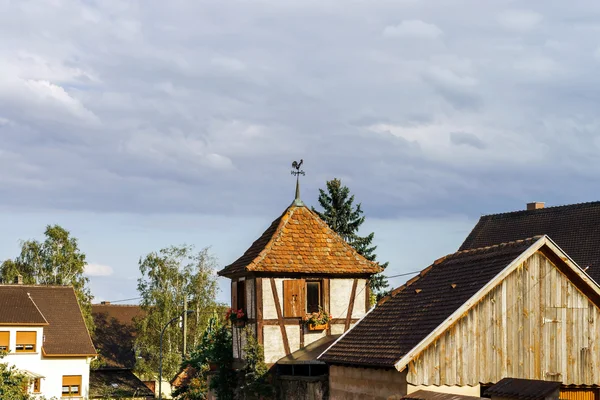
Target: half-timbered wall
[
  {"x": 336, "y": 299},
  {"x": 250, "y": 309},
  {"x": 535, "y": 324}
]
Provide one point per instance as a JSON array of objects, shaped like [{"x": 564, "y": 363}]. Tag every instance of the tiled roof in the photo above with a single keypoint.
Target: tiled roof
[
  {"x": 300, "y": 242},
  {"x": 117, "y": 384},
  {"x": 428, "y": 395},
  {"x": 17, "y": 308},
  {"x": 66, "y": 333},
  {"x": 526, "y": 389},
  {"x": 414, "y": 310},
  {"x": 115, "y": 333},
  {"x": 575, "y": 228}
]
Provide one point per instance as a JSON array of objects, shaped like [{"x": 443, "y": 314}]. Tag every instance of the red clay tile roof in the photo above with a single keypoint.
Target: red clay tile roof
[
  {"x": 115, "y": 333},
  {"x": 17, "y": 308},
  {"x": 575, "y": 228},
  {"x": 66, "y": 333},
  {"x": 414, "y": 310},
  {"x": 300, "y": 242}
]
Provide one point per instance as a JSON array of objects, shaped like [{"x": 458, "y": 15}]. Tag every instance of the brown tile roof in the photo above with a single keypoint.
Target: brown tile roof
[
  {"x": 17, "y": 308},
  {"x": 300, "y": 242},
  {"x": 526, "y": 389},
  {"x": 575, "y": 228},
  {"x": 428, "y": 395},
  {"x": 414, "y": 310},
  {"x": 115, "y": 333},
  {"x": 117, "y": 384},
  {"x": 66, "y": 333}
]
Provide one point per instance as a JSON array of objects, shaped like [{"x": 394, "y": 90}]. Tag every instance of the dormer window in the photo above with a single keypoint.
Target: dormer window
[
  {"x": 4, "y": 340},
  {"x": 26, "y": 341}
]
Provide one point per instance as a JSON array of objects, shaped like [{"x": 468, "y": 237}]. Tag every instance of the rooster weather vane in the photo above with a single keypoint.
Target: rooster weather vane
[{"x": 297, "y": 172}]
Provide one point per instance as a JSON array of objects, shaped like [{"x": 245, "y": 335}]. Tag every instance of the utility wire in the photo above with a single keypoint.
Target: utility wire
[{"x": 403, "y": 274}]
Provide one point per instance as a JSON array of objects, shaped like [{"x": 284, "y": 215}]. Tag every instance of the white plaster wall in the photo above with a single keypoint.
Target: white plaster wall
[
  {"x": 312, "y": 336},
  {"x": 239, "y": 340},
  {"x": 269, "y": 310},
  {"x": 250, "y": 295},
  {"x": 462, "y": 390},
  {"x": 273, "y": 342},
  {"x": 341, "y": 289}
]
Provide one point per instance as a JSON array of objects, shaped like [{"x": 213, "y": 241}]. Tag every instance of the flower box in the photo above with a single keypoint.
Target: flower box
[
  {"x": 320, "y": 327},
  {"x": 239, "y": 323}
]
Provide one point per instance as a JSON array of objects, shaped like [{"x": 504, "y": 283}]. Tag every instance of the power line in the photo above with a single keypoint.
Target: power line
[{"x": 404, "y": 274}]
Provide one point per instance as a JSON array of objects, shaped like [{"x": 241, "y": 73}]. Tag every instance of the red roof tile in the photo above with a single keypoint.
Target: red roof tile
[{"x": 300, "y": 242}]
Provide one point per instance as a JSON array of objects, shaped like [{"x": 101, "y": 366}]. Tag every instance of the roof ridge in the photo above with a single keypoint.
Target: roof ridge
[
  {"x": 424, "y": 271},
  {"x": 541, "y": 210},
  {"x": 35, "y": 286}
]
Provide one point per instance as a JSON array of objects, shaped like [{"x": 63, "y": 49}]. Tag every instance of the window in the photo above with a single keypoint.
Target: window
[
  {"x": 71, "y": 385},
  {"x": 293, "y": 298},
  {"x": 241, "y": 295},
  {"x": 36, "y": 385},
  {"x": 4, "y": 340},
  {"x": 26, "y": 342},
  {"x": 313, "y": 296}
]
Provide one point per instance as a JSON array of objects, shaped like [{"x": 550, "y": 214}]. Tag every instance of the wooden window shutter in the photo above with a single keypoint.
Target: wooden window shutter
[
  {"x": 26, "y": 337},
  {"x": 234, "y": 303},
  {"x": 71, "y": 380},
  {"x": 4, "y": 339},
  {"x": 294, "y": 302}
]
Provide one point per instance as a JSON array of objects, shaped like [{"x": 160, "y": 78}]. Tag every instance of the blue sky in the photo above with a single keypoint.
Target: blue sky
[{"x": 141, "y": 124}]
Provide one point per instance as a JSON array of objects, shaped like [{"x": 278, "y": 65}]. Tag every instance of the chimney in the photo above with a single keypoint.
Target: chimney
[
  {"x": 536, "y": 205},
  {"x": 105, "y": 303},
  {"x": 18, "y": 280}
]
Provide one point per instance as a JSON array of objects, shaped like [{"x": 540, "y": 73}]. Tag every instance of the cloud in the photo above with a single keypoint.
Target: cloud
[
  {"x": 519, "y": 20},
  {"x": 413, "y": 28},
  {"x": 467, "y": 139},
  {"x": 98, "y": 270}
]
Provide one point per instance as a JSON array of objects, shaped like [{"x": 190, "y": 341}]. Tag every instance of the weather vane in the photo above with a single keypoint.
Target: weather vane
[{"x": 297, "y": 172}]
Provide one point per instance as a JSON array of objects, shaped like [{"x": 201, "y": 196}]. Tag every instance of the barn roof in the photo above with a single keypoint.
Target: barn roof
[
  {"x": 574, "y": 227},
  {"x": 300, "y": 242},
  {"x": 391, "y": 333}
]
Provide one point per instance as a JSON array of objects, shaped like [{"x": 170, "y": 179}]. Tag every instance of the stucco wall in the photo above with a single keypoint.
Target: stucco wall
[
  {"x": 273, "y": 344},
  {"x": 365, "y": 383},
  {"x": 250, "y": 296},
  {"x": 341, "y": 289}
]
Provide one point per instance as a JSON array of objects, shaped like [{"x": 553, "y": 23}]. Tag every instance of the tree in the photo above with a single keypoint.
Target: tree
[
  {"x": 12, "y": 382},
  {"x": 255, "y": 373},
  {"x": 340, "y": 213},
  {"x": 171, "y": 277},
  {"x": 55, "y": 261}
]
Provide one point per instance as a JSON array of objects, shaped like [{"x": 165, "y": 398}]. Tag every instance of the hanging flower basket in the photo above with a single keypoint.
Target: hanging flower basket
[
  {"x": 237, "y": 317},
  {"x": 318, "y": 321}
]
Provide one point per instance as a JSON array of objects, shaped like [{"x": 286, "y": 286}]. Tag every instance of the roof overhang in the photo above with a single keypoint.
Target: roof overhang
[{"x": 545, "y": 243}]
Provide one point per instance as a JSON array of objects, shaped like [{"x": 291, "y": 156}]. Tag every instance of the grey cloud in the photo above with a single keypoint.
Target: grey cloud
[{"x": 468, "y": 139}]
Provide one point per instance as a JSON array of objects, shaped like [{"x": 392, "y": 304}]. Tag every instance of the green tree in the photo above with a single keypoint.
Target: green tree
[
  {"x": 169, "y": 278},
  {"x": 255, "y": 374},
  {"x": 345, "y": 218},
  {"x": 12, "y": 382},
  {"x": 55, "y": 261}
]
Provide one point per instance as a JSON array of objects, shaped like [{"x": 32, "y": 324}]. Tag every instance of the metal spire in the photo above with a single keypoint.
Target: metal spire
[{"x": 296, "y": 165}]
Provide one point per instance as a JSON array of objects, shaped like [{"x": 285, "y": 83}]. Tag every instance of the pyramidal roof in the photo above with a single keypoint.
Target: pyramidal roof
[{"x": 300, "y": 242}]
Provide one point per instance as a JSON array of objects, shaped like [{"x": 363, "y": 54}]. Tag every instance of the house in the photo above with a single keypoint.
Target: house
[
  {"x": 298, "y": 266},
  {"x": 522, "y": 309},
  {"x": 45, "y": 335},
  {"x": 118, "y": 383},
  {"x": 575, "y": 228},
  {"x": 114, "y": 338}
]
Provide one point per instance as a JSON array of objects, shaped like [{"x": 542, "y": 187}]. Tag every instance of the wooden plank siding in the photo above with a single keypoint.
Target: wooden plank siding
[{"x": 535, "y": 324}]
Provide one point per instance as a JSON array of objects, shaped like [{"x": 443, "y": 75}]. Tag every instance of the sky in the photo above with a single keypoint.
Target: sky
[{"x": 142, "y": 124}]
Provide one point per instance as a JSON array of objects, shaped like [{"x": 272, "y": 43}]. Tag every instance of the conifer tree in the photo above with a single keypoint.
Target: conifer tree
[{"x": 345, "y": 218}]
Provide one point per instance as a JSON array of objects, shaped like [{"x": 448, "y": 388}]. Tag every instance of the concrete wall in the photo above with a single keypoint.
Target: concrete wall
[
  {"x": 365, "y": 383},
  {"x": 302, "y": 388}
]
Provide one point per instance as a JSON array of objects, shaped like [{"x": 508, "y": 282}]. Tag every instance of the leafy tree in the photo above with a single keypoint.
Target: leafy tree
[
  {"x": 255, "y": 374},
  {"x": 345, "y": 218},
  {"x": 55, "y": 261},
  {"x": 171, "y": 277},
  {"x": 12, "y": 382}
]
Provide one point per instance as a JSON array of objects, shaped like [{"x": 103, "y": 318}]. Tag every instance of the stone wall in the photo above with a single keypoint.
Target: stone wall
[
  {"x": 302, "y": 388},
  {"x": 366, "y": 383}
]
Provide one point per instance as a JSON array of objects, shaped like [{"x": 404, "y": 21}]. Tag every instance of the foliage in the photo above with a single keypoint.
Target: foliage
[
  {"x": 170, "y": 278},
  {"x": 12, "y": 383},
  {"x": 319, "y": 318},
  {"x": 236, "y": 316},
  {"x": 215, "y": 348},
  {"x": 344, "y": 218},
  {"x": 255, "y": 374},
  {"x": 55, "y": 261}
]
